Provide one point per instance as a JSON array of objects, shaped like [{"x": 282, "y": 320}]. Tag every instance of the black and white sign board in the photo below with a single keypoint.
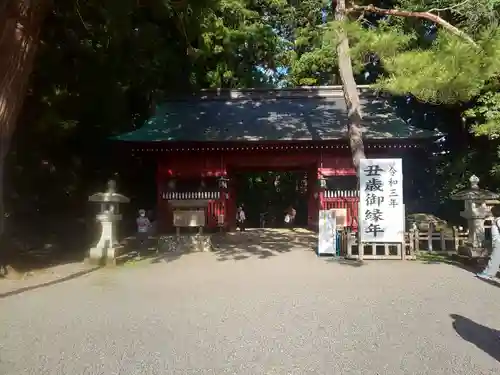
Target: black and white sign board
[{"x": 381, "y": 206}]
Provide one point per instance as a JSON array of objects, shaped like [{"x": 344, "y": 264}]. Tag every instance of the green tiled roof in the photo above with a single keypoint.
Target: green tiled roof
[{"x": 269, "y": 116}]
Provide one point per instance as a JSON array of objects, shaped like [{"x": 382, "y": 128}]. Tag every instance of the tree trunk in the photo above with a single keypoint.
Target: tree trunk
[
  {"x": 351, "y": 95},
  {"x": 20, "y": 24}
]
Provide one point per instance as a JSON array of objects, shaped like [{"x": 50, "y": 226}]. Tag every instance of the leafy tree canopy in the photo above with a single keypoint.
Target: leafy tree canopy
[{"x": 103, "y": 64}]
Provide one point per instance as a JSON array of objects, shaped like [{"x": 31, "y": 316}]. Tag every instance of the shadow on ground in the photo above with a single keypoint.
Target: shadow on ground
[
  {"x": 484, "y": 338},
  {"x": 346, "y": 262},
  {"x": 261, "y": 243},
  {"x": 24, "y": 261},
  {"x": 472, "y": 265},
  {"x": 256, "y": 243},
  {"x": 494, "y": 282},
  {"x": 468, "y": 264},
  {"x": 150, "y": 256},
  {"x": 33, "y": 242},
  {"x": 48, "y": 283}
]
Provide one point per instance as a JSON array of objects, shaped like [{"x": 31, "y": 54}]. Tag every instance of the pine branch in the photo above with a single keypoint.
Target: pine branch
[
  {"x": 422, "y": 15},
  {"x": 434, "y": 10}
]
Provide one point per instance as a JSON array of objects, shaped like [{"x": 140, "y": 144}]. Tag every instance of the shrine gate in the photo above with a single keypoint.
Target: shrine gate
[{"x": 201, "y": 141}]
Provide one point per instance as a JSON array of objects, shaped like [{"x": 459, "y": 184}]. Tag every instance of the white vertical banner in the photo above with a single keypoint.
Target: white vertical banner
[
  {"x": 381, "y": 211},
  {"x": 327, "y": 233}
]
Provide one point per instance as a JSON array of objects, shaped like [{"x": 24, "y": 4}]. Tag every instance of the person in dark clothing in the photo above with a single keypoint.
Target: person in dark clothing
[{"x": 143, "y": 227}]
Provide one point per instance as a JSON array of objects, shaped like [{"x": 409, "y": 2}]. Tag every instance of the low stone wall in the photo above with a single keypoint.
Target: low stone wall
[{"x": 185, "y": 243}]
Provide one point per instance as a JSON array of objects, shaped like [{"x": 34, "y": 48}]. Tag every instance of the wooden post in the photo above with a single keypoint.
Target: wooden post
[
  {"x": 343, "y": 242},
  {"x": 349, "y": 243},
  {"x": 346, "y": 243},
  {"x": 442, "y": 240},
  {"x": 411, "y": 242},
  {"x": 403, "y": 245},
  {"x": 361, "y": 247},
  {"x": 430, "y": 231},
  {"x": 455, "y": 238}
]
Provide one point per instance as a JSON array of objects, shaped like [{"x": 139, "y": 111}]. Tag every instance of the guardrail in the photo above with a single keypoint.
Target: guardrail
[{"x": 438, "y": 242}]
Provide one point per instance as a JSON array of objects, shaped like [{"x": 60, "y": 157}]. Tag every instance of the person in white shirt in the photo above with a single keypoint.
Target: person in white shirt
[
  {"x": 290, "y": 214},
  {"x": 494, "y": 263},
  {"x": 143, "y": 226},
  {"x": 240, "y": 218}
]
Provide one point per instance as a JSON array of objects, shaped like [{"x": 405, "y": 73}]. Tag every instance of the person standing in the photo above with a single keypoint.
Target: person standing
[
  {"x": 494, "y": 263},
  {"x": 262, "y": 219},
  {"x": 240, "y": 219},
  {"x": 290, "y": 214},
  {"x": 143, "y": 226}
]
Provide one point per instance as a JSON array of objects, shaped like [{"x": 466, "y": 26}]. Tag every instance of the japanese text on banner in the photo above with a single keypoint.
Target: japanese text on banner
[{"x": 381, "y": 214}]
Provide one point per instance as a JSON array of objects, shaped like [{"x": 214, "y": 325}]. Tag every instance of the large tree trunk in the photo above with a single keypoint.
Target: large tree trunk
[
  {"x": 20, "y": 24},
  {"x": 350, "y": 89},
  {"x": 351, "y": 95}
]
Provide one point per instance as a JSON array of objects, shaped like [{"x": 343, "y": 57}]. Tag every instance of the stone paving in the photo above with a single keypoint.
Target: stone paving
[{"x": 285, "y": 313}]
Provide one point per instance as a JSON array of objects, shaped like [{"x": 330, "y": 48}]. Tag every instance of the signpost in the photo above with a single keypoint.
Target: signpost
[
  {"x": 381, "y": 210},
  {"x": 327, "y": 235}
]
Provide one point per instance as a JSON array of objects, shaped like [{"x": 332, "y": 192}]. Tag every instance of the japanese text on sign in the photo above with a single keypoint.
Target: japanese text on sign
[{"x": 381, "y": 213}]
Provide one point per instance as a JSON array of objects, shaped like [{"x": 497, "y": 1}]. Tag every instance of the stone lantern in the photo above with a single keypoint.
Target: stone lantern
[
  {"x": 106, "y": 249},
  {"x": 475, "y": 212}
]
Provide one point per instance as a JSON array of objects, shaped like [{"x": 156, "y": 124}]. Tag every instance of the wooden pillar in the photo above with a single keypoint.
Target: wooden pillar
[
  {"x": 321, "y": 192},
  {"x": 230, "y": 208},
  {"x": 161, "y": 203},
  {"x": 311, "y": 200},
  {"x": 225, "y": 196},
  {"x": 223, "y": 203}
]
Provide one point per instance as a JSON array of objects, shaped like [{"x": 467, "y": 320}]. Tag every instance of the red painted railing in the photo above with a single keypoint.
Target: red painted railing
[
  {"x": 214, "y": 209},
  {"x": 351, "y": 206}
]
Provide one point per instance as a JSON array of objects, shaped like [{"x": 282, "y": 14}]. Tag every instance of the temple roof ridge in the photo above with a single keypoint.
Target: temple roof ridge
[{"x": 262, "y": 114}]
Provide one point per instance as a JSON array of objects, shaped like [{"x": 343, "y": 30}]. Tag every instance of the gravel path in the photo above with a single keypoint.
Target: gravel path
[{"x": 286, "y": 314}]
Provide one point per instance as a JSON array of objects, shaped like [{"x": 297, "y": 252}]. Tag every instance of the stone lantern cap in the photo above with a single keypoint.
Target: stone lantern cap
[
  {"x": 110, "y": 196},
  {"x": 474, "y": 193}
]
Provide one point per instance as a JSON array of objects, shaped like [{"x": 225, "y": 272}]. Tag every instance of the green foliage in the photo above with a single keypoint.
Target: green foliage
[
  {"x": 103, "y": 64},
  {"x": 314, "y": 68},
  {"x": 368, "y": 44},
  {"x": 469, "y": 16},
  {"x": 486, "y": 115},
  {"x": 237, "y": 36},
  {"x": 452, "y": 70},
  {"x": 314, "y": 57}
]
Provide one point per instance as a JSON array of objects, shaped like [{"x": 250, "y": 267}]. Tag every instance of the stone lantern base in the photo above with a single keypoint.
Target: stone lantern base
[{"x": 104, "y": 256}]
